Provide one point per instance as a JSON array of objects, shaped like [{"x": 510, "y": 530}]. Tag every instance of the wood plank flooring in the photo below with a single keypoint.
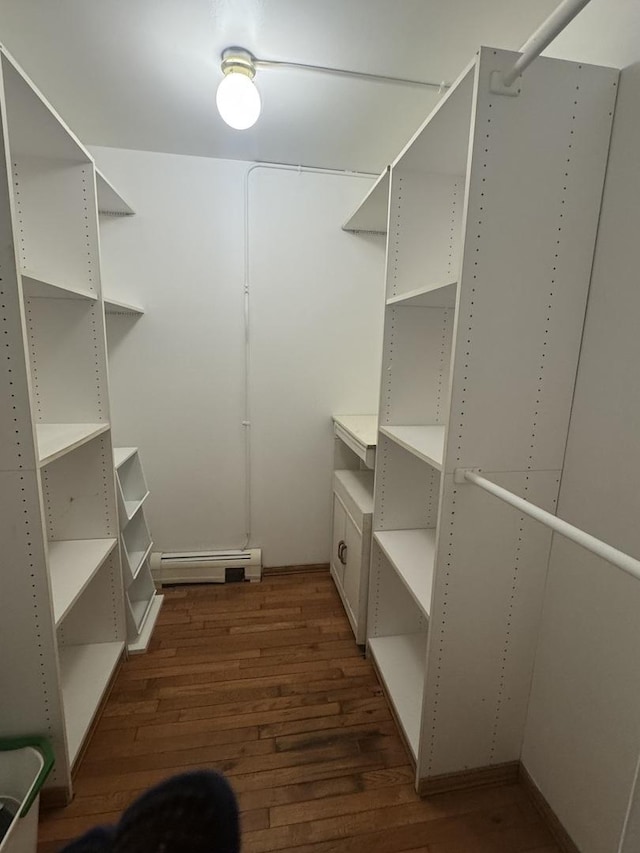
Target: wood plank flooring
[{"x": 265, "y": 683}]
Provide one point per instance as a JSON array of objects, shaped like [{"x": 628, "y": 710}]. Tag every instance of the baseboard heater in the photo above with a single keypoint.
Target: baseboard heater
[{"x": 206, "y": 566}]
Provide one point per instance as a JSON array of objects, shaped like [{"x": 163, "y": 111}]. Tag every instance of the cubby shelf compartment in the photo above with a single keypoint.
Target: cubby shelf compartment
[
  {"x": 132, "y": 486},
  {"x": 412, "y": 555},
  {"x": 121, "y": 454},
  {"x": 371, "y": 214},
  {"x": 425, "y": 442},
  {"x": 85, "y": 673},
  {"x": 37, "y": 285},
  {"x": 72, "y": 565},
  {"x": 429, "y": 296},
  {"x": 141, "y": 642},
  {"x": 54, "y": 440},
  {"x": 109, "y": 199},
  {"x": 137, "y": 544},
  {"x": 116, "y": 306},
  {"x": 400, "y": 661}
]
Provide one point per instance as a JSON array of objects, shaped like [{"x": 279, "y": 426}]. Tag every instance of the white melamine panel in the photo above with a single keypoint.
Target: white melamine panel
[
  {"x": 29, "y": 642},
  {"x": 17, "y": 442},
  {"x": 98, "y": 615},
  {"x": 373, "y": 211},
  {"x": 139, "y": 597},
  {"x": 359, "y": 433},
  {"x": 116, "y": 306},
  {"x": 72, "y": 565},
  {"x": 85, "y": 672},
  {"x": 392, "y": 609},
  {"x": 132, "y": 487},
  {"x": 356, "y": 491},
  {"x": 400, "y": 662},
  {"x": 56, "y": 440},
  {"x": 121, "y": 454},
  {"x": 425, "y": 220},
  {"x": 338, "y": 534},
  {"x": 136, "y": 540},
  {"x": 68, "y": 360},
  {"x": 582, "y": 738},
  {"x": 78, "y": 493},
  {"x": 412, "y": 554},
  {"x": 34, "y": 284},
  {"x": 485, "y": 609},
  {"x": 141, "y": 642},
  {"x": 109, "y": 199},
  {"x": 317, "y": 299},
  {"x": 539, "y": 162},
  {"x": 425, "y": 442},
  {"x": 415, "y": 367},
  {"x": 429, "y": 295},
  {"x": 441, "y": 144},
  {"x": 406, "y": 490},
  {"x": 36, "y": 130}
]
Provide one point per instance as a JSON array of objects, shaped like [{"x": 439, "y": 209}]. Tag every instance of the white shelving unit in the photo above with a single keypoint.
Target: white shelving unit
[
  {"x": 491, "y": 227},
  {"x": 354, "y": 458},
  {"x": 142, "y": 602},
  {"x": 62, "y": 603}
]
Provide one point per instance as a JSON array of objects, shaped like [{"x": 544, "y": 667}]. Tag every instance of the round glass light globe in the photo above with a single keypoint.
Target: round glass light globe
[{"x": 238, "y": 101}]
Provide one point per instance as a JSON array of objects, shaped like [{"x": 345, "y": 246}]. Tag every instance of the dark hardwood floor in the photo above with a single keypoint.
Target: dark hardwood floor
[{"x": 265, "y": 683}]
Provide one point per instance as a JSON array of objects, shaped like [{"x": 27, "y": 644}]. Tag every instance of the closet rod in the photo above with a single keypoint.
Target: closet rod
[
  {"x": 543, "y": 36},
  {"x": 618, "y": 558}
]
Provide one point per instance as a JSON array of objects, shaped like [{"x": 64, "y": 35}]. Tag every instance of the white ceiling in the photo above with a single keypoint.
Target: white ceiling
[{"x": 143, "y": 73}]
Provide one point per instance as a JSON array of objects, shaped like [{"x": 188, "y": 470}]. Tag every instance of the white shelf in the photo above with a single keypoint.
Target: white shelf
[
  {"x": 429, "y": 296},
  {"x": 141, "y": 643},
  {"x": 116, "y": 306},
  {"x": 38, "y": 286},
  {"x": 360, "y": 433},
  {"x": 371, "y": 214},
  {"x": 72, "y": 564},
  {"x": 132, "y": 507},
  {"x": 400, "y": 662},
  {"x": 85, "y": 672},
  {"x": 139, "y": 610},
  {"x": 412, "y": 554},
  {"x": 109, "y": 199},
  {"x": 359, "y": 487},
  {"x": 54, "y": 440},
  {"x": 121, "y": 454},
  {"x": 425, "y": 442}
]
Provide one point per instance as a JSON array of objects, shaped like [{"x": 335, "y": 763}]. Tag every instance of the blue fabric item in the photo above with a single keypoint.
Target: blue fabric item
[{"x": 194, "y": 812}]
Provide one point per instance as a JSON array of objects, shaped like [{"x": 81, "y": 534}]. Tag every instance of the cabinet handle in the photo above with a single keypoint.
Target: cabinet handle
[{"x": 342, "y": 550}]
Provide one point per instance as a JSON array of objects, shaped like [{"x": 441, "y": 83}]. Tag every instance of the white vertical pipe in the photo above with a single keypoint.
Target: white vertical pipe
[
  {"x": 543, "y": 36},
  {"x": 612, "y": 555}
]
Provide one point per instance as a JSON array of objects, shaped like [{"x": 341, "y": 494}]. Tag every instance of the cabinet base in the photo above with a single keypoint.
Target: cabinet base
[{"x": 495, "y": 774}]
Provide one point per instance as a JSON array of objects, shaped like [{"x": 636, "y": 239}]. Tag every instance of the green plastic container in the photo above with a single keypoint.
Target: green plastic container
[{"x": 25, "y": 763}]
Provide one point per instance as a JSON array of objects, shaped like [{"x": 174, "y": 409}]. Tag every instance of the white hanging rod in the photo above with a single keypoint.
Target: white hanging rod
[
  {"x": 618, "y": 558},
  {"x": 343, "y": 72},
  {"x": 543, "y": 36}
]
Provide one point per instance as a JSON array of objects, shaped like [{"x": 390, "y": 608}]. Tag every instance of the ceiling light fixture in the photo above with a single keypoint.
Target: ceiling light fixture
[{"x": 237, "y": 98}]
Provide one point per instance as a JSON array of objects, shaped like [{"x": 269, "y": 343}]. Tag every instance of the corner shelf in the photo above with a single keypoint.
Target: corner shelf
[
  {"x": 116, "y": 306},
  {"x": 72, "y": 565},
  {"x": 36, "y": 285},
  {"x": 371, "y": 214},
  {"x": 400, "y": 661},
  {"x": 425, "y": 442},
  {"x": 85, "y": 674},
  {"x": 429, "y": 296},
  {"x": 55, "y": 440},
  {"x": 412, "y": 555},
  {"x": 109, "y": 199}
]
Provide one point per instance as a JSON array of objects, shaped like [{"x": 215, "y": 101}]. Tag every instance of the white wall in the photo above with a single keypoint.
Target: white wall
[
  {"x": 177, "y": 373},
  {"x": 583, "y": 732}
]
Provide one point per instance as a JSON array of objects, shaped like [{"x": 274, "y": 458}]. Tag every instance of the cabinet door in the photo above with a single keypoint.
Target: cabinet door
[
  {"x": 338, "y": 539},
  {"x": 353, "y": 569}
]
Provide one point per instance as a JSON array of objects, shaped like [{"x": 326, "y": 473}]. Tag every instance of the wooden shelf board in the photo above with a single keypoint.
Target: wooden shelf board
[
  {"x": 429, "y": 296},
  {"x": 141, "y": 643},
  {"x": 72, "y": 565},
  {"x": 121, "y": 454},
  {"x": 359, "y": 485},
  {"x": 85, "y": 672},
  {"x": 36, "y": 285},
  {"x": 412, "y": 554},
  {"x": 55, "y": 440},
  {"x": 109, "y": 199},
  {"x": 371, "y": 214},
  {"x": 425, "y": 442},
  {"x": 401, "y": 662},
  {"x": 116, "y": 306}
]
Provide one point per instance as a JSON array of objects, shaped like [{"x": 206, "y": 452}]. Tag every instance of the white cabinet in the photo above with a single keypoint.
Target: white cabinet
[
  {"x": 492, "y": 212},
  {"x": 352, "y": 514},
  {"x": 142, "y": 602}
]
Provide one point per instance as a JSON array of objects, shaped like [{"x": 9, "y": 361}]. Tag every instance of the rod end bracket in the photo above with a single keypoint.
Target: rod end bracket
[
  {"x": 498, "y": 86},
  {"x": 459, "y": 474}
]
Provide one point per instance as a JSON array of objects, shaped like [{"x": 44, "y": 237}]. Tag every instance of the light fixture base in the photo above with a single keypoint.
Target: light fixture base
[{"x": 238, "y": 61}]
